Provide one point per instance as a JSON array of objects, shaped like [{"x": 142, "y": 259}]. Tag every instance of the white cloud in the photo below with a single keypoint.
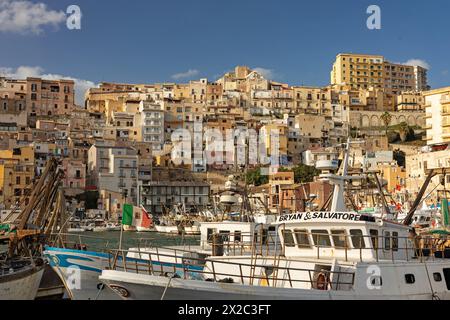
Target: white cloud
[
  {"x": 269, "y": 74},
  {"x": 21, "y": 16},
  {"x": 418, "y": 62},
  {"x": 22, "y": 72},
  {"x": 188, "y": 74}
]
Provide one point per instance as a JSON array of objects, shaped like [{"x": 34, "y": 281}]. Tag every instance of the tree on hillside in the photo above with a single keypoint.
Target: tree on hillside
[
  {"x": 404, "y": 131},
  {"x": 255, "y": 178},
  {"x": 387, "y": 119},
  {"x": 303, "y": 173}
]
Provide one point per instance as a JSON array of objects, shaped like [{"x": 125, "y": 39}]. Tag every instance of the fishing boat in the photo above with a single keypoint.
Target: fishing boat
[
  {"x": 79, "y": 269},
  {"x": 110, "y": 226},
  {"x": 20, "y": 279},
  {"x": 144, "y": 229},
  {"x": 166, "y": 229},
  {"x": 328, "y": 255}
]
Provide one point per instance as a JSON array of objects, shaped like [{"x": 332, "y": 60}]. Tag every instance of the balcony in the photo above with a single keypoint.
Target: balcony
[
  {"x": 427, "y": 138},
  {"x": 445, "y": 99},
  {"x": 428, "y": 115}
]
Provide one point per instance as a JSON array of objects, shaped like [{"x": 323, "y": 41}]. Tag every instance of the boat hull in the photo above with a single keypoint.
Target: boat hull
[
  {"x": 129, "y": 286},
  {"x": 167, "y": 229},
  {"x": 142, "y": 229},
  {"x": 80, "y": 271},
  {"x": 22, "y": 285}
]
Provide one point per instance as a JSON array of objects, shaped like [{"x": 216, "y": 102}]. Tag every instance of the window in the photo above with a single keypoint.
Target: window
[
  {"x": 209, "y": 234},
  {"x": 339, "y": 239},
  {"x": 374, "y": 238},
  {"x": 357, "y": 239},
  {"x": 225, "y": 235},
  {"x": 302, "y": 238},
  {"x": 394, "y": 241},
  {"x": 387, "y": 241},
  {"x": 410, "y": 278},
  {"x": 447, "y": 277},
  {"x": 237, "y": 236},
  {"x": 437, "y": 277},
  {"x": 321, "y": 238},
  {"x": 288, "y": 238}
]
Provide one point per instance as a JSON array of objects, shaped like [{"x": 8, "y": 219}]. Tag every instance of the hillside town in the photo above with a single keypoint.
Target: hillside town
[{"x": 122, "y": 145}]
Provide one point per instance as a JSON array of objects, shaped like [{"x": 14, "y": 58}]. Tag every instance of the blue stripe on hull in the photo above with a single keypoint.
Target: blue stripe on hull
[{"x": 59, "y": 257}]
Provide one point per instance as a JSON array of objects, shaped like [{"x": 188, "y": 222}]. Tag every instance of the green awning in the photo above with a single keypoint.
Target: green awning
[{"x": 438, "y": 231}]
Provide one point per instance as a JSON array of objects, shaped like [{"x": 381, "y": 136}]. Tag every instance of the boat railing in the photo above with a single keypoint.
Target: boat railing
[
  {"x": 75, "y": 241},
  {"x": 190, "y": 267},
  {"x": 378, "y": 247},
  {"x": 156, "y": 240}
]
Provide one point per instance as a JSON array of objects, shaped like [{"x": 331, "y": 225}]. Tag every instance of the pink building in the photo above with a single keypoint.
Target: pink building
[{"x": 74, "y": 176}]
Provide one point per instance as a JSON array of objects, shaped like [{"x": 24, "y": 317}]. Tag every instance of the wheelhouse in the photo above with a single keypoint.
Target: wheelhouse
[{"x": 344, "y": 235}]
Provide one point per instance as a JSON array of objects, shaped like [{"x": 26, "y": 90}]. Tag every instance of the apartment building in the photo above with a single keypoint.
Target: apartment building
[
  {"x": 275, "y": 139},
  {"x": 159, "y": 195},
  {"x": 152, "y": 124},
  {"x": 114, "y": 169},
  {"x": 418, "y": 163},
  {"x": 16, "y": 176},
  {"x": 410, "y": 101},
  {"x": 363, "y": 71},
  {"x": 50, "y": 97},
  {"x": 74, "y": 181},
  {"x": 437, "y": 108}
]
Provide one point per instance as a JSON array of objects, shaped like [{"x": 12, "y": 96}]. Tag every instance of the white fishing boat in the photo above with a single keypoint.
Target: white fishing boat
[
  {"x": 79, "y": 270},
  {"x": 129, "y": 228},
  {"x": 332, "y": 255},
  {"x": 191, "y": 230},
  {"x": 166, "y": 229},
  {"x": 144, "y": 229},
  {"x": 76, "y": 230},
  {"x": 110, "y": 226},
  {"x": 100, "y": 229},
  {"x": 20, "y": 279}
]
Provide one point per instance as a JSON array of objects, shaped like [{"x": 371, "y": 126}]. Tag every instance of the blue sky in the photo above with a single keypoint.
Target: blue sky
[{"x": 145, "y": 41}]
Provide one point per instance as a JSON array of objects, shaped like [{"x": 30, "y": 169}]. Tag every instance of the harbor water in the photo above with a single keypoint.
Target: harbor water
[{"x": 109, "y": 240}]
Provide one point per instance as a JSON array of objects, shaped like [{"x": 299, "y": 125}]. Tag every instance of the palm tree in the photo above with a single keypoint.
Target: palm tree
[
  {"x": 386, "y": 118},
  {"x": 404, "y": 131}
]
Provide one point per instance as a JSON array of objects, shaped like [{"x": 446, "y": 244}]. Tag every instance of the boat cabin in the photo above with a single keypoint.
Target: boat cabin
[
  {"x": 235, "y": 232},
  {"x": 345, "y": 236}
]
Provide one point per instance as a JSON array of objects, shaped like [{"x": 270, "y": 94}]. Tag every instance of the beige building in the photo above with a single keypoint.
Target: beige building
[
  {"x": 410, "y": 101},
  {"x": 363, "y": 71},
  {"x": 114, "y": 169},
  {"x": 437, "y": 107},
  {"x": 418, "y": 163}
]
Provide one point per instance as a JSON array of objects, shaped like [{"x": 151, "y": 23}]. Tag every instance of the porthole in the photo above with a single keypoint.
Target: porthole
[
  {"x": 437, "y": 277},
  {"x": 410, "y": 278}
]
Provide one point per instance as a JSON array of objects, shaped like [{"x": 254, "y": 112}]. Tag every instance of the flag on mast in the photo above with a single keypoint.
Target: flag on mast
[
  {"x": 146, "y": 221},
  {"x": 135, "y": 216}
]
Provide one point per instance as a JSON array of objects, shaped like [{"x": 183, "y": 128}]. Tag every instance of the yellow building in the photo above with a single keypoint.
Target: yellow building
[
  {"x": 437, "y": 107},
  {"x": 410, "y": 101},
  {"x": 267, "y": 132},
  {"x": 365, "y": 71},
  {"x": 394, "y": 175},
  {"x": 16, "y": 176}
]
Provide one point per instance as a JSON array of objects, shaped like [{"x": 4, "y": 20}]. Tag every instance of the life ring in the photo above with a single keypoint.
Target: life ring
[{"x": 322, "y": 281}]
